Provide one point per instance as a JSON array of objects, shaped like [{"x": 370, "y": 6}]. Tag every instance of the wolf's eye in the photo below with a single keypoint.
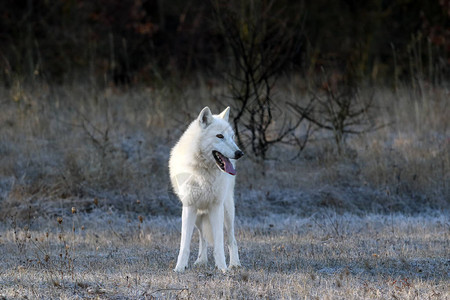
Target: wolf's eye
[{"x": 220, "y": 136}]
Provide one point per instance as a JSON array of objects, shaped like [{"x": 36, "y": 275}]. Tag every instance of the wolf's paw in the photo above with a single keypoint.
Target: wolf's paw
[
  {"x": 235, "y": 266},
  {"x": 200, "y": 262},
  {"x": 224, "y": 269},
  {"x": 235, "y": 263},
  {"x": 179, "y": 269}
]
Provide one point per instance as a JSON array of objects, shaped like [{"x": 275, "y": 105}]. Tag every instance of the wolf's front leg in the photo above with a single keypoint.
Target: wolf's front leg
[
  {"x": 216, "y": 220},
  {"x": 187, "y": 226},
  {"x": 229, "y": 226}
]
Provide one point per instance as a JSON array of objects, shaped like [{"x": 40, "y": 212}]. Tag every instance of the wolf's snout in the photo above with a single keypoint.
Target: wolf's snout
[{"x": 238, "y": 154}]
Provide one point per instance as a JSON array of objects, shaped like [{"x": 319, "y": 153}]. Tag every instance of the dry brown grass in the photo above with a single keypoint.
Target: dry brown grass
[
  {"x": 108, "y": 256},
  {"x": 64, "y": 146},
  {"x": 371, "y": 223}
]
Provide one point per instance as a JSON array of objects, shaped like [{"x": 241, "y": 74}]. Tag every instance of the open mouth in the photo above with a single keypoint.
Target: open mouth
[{"x": 223, "y": 163}]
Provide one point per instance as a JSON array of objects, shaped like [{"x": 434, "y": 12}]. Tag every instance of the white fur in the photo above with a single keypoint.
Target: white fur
[{"x": 205, "y": 191}]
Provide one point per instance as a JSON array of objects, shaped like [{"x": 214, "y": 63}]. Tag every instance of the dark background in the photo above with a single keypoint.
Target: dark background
[{"x": 137, "y": 41}]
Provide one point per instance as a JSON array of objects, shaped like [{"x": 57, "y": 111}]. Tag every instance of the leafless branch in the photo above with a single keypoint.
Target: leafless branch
[{"x": 260, "y": 47}]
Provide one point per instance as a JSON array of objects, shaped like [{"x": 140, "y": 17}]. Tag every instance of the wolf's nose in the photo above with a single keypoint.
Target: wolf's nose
[{"x": 238, "y": 154}]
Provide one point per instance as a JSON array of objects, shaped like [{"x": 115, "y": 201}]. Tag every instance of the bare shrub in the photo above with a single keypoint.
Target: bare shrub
[
  {"x": 261, "y": 46},
  {"x": 337, "y": 107}
]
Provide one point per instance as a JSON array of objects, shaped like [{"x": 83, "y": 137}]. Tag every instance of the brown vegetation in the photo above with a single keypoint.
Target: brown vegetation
[
  {"x": 65, "y": 146},
  {"x": 324, "y": 256},
  {"x": 94, "y": 94}
]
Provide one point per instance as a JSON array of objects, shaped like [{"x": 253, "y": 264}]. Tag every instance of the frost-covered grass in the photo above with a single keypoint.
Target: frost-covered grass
[
  {"x": 63, "y": 146},
  {"x": 369, "y": 223},
  {"x": 326, "y": 256}
]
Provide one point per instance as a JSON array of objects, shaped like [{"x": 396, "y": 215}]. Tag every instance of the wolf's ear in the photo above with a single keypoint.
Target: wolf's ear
[
  {"x": 205, "y": 118},
  {"x": 225, "y": 114}
]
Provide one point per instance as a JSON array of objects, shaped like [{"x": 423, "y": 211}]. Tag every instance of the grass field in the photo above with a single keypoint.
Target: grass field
[
  {"x": 111, "y": 256},
  {"x": 371, "y": 222}
]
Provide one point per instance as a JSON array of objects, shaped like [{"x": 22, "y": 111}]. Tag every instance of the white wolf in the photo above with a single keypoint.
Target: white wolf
[{"x": 202, "y": 172}]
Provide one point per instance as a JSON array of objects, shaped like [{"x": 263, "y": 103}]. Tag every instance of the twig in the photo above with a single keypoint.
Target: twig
[{"x": 166, "y": 289}]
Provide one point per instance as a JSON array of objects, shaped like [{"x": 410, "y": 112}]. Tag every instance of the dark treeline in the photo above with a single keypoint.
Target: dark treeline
[{"x": 128, "y": 41}]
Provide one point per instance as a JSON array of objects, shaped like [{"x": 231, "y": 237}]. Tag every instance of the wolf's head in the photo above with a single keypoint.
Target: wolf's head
[{"x": 217, "y": 142}]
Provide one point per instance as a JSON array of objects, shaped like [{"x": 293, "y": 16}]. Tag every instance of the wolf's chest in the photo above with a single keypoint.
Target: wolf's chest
[{"x": 201, "y": 192}]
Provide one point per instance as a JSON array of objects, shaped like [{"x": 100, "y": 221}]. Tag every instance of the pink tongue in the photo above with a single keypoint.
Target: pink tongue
[{"x": 228, "y": 165}]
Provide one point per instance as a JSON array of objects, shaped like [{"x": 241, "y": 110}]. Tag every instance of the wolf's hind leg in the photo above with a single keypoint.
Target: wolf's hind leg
[{"x": 202, "y": 258}]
